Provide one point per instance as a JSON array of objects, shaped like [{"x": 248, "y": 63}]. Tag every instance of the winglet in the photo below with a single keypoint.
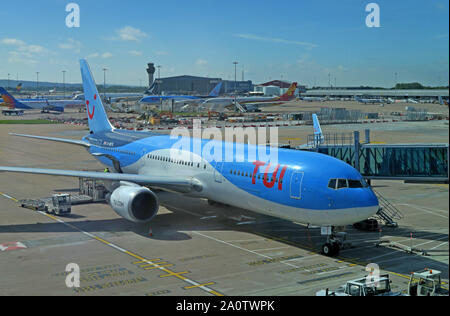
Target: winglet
[
  {"x": 97, "y": 118},
  {"x": 318, "y": 135}
]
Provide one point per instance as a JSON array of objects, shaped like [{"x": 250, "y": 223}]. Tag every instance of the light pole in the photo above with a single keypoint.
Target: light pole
[
  {"x": 8, "y": 80},
  {"x": 159, "y": 72},
  {"x": 64, "y": 83},
  {"x": 235, "y": 79},
  {"x": 37, "y": 82},
  {"x": 104, "y": 83}
]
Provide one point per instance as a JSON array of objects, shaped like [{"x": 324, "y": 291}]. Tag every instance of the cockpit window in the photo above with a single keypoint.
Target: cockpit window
[
  {"x": 332, "y": 184},
  {"x": 342, "y": 183},
  {"x": 354, "y": 184},
  {"x": 364, "y": 183}
]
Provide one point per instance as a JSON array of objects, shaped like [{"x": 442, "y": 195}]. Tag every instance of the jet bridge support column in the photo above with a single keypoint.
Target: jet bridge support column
[{"x": 357, "y": 150}]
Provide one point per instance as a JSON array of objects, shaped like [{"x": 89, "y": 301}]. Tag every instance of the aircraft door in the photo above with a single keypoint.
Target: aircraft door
[
  {"x": 218, "y": 166},
  {"x": 296, "y": 185}
]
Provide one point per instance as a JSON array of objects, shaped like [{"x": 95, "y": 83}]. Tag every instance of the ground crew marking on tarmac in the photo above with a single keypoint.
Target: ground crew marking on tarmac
[
  {"x": 10, "y": 246},
  {"x": 141, "y": 259},
  {"x": 9, "y": 197}
]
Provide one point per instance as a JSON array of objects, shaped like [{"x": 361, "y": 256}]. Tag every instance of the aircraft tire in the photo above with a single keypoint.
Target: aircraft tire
[{"x": 327, "y": 250}]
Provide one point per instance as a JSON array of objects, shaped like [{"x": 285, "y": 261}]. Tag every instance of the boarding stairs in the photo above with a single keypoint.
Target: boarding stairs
[{"x": 388, "y": 213}]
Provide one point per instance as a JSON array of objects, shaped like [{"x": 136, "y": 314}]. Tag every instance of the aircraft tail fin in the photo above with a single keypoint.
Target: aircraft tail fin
[
  {"x": 318, "y": 135},
  {"x": 216, "y": 91},
  {"x": 290, "y": 94},
  {"x": 97, "y": 118},
  {"x": 10, "y": 101}
]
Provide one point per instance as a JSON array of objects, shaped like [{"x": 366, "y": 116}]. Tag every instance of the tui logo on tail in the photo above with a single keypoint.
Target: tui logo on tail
[{"x": 91, "y": 115}]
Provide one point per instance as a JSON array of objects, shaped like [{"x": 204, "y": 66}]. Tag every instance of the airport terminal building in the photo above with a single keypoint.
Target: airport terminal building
[{"x": 192, "y": 85}]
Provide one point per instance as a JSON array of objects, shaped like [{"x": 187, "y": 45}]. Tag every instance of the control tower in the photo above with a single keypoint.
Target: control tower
[{"x": 151, "y": 73}]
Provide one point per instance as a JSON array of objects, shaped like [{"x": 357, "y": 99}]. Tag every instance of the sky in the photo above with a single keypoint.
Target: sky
[{"x": 312, "y": 42}]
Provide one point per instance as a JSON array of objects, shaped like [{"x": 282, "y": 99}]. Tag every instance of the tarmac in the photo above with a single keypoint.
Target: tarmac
[{"x": 192, "y": 248}]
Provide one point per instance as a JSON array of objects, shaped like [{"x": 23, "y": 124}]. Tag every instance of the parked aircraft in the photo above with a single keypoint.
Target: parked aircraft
[{"x": 301, "y": 186}]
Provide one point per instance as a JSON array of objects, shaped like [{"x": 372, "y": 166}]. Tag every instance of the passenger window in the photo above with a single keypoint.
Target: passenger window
[
  {"x": 342, "y": 183},
  {"x": 332, "y": 184}
]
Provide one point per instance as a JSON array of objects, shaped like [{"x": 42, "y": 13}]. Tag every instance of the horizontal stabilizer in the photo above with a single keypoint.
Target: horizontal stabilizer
[{"x": 53, "y": 139}]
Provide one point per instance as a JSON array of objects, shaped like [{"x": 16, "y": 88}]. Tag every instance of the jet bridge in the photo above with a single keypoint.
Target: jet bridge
[{"x": 408, "y": 162}]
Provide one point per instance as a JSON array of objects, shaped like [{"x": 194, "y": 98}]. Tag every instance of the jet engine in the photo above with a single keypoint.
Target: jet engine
[{"x": 134, "y": 203}]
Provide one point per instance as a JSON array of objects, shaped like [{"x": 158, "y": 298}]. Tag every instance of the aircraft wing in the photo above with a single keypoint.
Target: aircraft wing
[
  {"x": 53, "y": 139},
  {"x": 183, "y": 185}
]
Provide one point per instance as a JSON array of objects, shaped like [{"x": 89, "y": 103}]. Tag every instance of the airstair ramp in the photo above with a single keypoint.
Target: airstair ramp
[{"x": 388, "y": 213}]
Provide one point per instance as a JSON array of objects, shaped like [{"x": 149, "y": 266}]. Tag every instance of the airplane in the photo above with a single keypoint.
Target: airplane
[
  {"x": 442, "y": 101},
  {"x": 45, "y": 105},
  {"x": 248, "y": 104},
  {"x": 372, "y": 101},
  {"x": 183, "y": 99},
  {"x": 112, "y": 97},
  {"x": 318, "y": 134},
  {"x": 313, "y": 99},
  {"x": 303, "y": 186}
]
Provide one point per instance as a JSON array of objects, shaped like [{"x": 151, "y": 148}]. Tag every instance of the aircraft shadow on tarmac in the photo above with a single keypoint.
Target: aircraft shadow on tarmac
[{"x": 172, "y": 227}]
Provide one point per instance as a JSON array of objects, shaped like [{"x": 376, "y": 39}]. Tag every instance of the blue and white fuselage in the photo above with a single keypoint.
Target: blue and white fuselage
[
  {"x": 299, "y": 186},
  {"x": 298, "y": 190}
]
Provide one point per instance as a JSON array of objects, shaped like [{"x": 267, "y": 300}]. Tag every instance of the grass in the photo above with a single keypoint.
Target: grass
[{"x": 26, "y": 122}]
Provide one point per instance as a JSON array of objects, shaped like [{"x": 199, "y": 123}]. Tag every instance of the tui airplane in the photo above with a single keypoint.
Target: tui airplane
[{"x": 296, "y": 185}]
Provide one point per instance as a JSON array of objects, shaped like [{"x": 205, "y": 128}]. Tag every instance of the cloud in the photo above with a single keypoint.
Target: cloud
[
  {"x": 161, "y": 53},
  {"x": 441, "y": 36},
  {"x": 274, "y": 40},
  {"x": 201, "y": 62},
  {"x": 12, "y": 42},
  {"x": 71, "y": 44},
  {"x": 107, "y": 55},
  {"x": 104, "y": 55},
  {"x": 129, "y": 33},
  {"x": 135, "y": 53},
  {"x": 23, "y": 52}
]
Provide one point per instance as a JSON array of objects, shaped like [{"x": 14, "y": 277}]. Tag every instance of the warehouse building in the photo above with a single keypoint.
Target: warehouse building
[{"x": 192, "y": 85}]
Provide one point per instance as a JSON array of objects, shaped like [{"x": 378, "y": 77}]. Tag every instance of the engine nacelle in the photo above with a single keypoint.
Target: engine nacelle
[{"x": 134, "y": 203}]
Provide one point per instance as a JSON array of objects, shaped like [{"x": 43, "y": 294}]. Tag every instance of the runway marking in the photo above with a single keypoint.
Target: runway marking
[
  {"x": 143, "y": 260},
  {"x": 178, "y": 275},
  {"x": 267, "y": 249},
  {"x": 9, "y": 197},
  {"x": 195, "y": 286},
  {"x": 10, "y": 246},
  {"x": 425, "y": 210},
  {"x": 160, "y": 266},
  {"x": 439, "y": 245}
]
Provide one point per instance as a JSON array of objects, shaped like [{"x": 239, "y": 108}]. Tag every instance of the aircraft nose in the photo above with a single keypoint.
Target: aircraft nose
[{"x": 366, "y": 198}]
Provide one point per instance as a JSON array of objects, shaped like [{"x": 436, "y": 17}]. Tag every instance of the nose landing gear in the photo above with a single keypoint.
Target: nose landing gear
[{"x": 335, "y": 241}]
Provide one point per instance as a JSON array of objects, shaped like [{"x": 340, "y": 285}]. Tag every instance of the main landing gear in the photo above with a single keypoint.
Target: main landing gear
[{"x": 335, "y": 241}]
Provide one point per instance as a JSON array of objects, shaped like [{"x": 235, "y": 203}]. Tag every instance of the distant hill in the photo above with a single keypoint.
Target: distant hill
[{"x": 45, "y": 86}]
